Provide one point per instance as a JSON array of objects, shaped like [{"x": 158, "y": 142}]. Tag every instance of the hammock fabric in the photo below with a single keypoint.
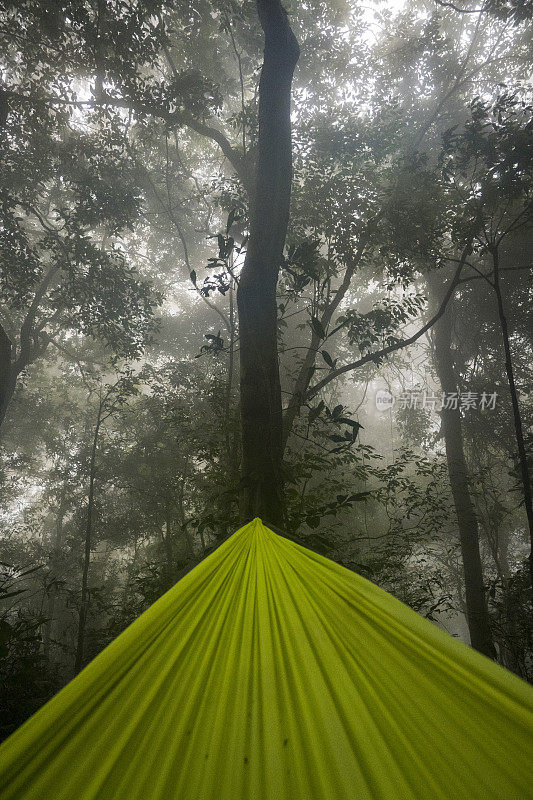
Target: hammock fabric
[{"x": 271, "y": 673}]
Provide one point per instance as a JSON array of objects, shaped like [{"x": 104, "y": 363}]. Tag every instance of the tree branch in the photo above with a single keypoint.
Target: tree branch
[
  {"x": 26, "y": 332},
  {"x": 460, "y": 10},
  {"x": 306, "y": 370},
  {"x": 397, "y": 345},
  {"x": 236, "y": 159}
]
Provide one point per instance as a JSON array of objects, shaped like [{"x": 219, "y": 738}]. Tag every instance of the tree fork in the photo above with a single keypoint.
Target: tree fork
[{"x": 261, "y": 413}]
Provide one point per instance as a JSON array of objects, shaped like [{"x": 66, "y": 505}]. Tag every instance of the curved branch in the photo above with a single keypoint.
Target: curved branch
[
  {"x": 397, "y": 345},
  {"x": 460, "y": 10},
  {"x": 237, "y": 160},
  {"x": 307, "y": 368},
  {"x": 27, "y": 328}
]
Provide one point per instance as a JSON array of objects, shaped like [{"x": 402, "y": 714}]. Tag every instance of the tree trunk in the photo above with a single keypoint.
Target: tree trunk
[
  {"x": 28, "y": 348},
  {"x": 261, "y": 415},
  {"x": 6, "y": 381},
  {"x": 519, "y": 434},
  {"x": 231, "y": 435},
  {"x": 476, "y": 606},
  {"x": 166, "y": 536},
  {"x": 87, "y": 550},
  {"x": 55, "y": 556}
]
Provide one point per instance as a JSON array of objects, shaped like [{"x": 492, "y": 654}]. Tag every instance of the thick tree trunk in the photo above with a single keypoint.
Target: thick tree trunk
[
  {"x": 261, "y": 415},
  {"x": 517, "y": 418},
  {"x": 84, "y": 603},
  {"x": 476, "y": 606}
]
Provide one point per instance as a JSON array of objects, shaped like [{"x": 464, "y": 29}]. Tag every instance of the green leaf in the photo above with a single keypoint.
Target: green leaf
[
  {"x": 318, "y": 328},
  {"x": 328, "y": 359},
  {"x": 359, "y": 496},
  {"x": 229, "y": 246},
  {"x": 232, "y": 216},
  {"x": 316, "y": 411},
  {"x": 193, "y": 277},
  {"x": 351, "y": 422},
  {"x": 11, "y": 594}
]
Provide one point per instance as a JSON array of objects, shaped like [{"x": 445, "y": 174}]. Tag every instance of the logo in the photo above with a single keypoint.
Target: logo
[{"x": 384, "y": 400}]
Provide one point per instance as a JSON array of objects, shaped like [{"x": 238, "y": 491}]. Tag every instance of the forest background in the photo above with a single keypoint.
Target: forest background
[{"x": 129, "y": 137}]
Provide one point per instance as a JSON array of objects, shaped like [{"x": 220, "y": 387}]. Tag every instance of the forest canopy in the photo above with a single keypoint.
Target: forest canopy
[{"x": 262, "y": 264}]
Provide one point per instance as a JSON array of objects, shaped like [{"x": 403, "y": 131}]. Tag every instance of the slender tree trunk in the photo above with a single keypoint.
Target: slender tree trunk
[
  {"x": 231, "y": 442},
  {"x": 517, "y": 418},
  {"x": 56, "y": 552},
  {"x": 261, "y": 415},
  {"x": 301, "y": 386},
  {"x": 202, "y": 541},
  {"x": 189, "y": 540},
  {"x": 6, "y": 381},
  {"x": 503, "y": 554},
  {"x": 512, "y": 645},
  {"x": 166, "y": 535},
  {"x": 476, "y": 606},
  {"x": 87, "y": 550},
  {"x": 184, "y": 524}
]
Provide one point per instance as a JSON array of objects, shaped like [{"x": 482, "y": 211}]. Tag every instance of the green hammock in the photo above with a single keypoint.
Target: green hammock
[{"x": 271, "y": 673}]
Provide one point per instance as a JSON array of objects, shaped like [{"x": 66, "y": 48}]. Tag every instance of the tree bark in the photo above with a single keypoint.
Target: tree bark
[
  {"x": 29, "y": 349},
  {"x": 231, "y": 434},
  {"x": 166, "y": 536},
  {"x": 6, "y": 379},
  {"x": 476, "y": 605},
  {"x": 54, "y": 561},
  {"x": 84, "y": 603},
  {"x": 261, "y": 415},
  {"x": 517, "y": 418}
]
